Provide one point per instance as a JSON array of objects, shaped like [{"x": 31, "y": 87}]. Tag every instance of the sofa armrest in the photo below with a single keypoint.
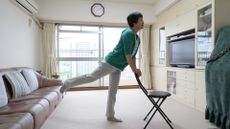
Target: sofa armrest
[{"x": 46, "y": 82}]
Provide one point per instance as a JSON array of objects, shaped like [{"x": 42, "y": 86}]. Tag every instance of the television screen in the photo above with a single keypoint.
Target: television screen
[{"x": 181, "y": 53}]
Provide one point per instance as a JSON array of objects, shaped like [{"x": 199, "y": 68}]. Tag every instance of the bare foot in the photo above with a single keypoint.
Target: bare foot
[{"x": 114, "y": 119}]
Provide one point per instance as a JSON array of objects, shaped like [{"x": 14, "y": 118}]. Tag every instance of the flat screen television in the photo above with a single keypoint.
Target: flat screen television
[{"x": 181, "y": 53}]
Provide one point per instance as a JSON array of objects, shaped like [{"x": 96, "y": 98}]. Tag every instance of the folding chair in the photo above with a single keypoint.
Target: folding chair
[{"x": 160, "y": 96}]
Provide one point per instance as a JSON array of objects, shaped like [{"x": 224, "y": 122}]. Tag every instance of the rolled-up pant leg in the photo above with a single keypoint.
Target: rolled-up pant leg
[
  {"x": 102, "y": 70},
  {"x": 114, "y": 79}
]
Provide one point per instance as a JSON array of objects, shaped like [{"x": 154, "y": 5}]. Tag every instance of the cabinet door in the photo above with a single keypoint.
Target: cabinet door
[
  {"x": 185, "y": 85},
  {"x": 204, "y": 35},
  {"x": 171, "y": 27},
  {"x": 200, "y": 93},
  {"x": 181, "y": 23},
  {"x": 186, "y": 21}
]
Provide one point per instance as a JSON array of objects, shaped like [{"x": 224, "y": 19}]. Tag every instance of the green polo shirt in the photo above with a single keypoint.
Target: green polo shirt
[{"x": 126, "y": 45}]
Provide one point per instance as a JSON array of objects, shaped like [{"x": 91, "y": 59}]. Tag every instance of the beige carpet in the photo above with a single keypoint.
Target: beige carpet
[{"x": 86, "y": 110}]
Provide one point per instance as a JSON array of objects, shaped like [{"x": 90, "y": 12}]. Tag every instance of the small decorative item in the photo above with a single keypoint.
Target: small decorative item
[
  {"x": 97, "y": 9},
  {"x": 40, "y": 72},
  {"x": 55, "y": 76}
]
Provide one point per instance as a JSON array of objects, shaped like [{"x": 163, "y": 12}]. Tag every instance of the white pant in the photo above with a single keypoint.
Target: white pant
[{"x": 102, "y": 70}]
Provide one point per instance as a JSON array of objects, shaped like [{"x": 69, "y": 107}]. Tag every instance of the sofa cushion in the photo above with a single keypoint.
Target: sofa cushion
[
  {"x": 18, "y": 84},
  {"x": 51, "y": 97},
  {"x": 31, "y": 78},
  {"x": 3, "y": 95},
  {"x": 38, "y": 112},
  {"x": 17, "y": 121}
]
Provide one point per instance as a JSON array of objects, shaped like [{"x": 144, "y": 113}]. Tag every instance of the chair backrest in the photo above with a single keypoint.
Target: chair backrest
[{"x": 140, "y": 84}]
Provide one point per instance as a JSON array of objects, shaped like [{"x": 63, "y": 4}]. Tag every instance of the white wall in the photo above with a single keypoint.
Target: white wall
[
  {"x": 79, "y": 11},
  {"x": 20, "y": 43}
]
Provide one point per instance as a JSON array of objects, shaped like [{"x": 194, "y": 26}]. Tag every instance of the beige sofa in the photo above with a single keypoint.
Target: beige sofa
[{"x": 22, "y": 107}]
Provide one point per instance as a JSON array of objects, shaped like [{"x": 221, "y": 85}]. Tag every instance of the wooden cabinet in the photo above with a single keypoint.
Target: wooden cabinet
[
  {"x": 181, "y": 23},
  {"x": 210, "y": 19},
  {"x": 207, "y": 19},
  {"x": 172, "y": 27},
  {"x": 204, "y": 41},
  {"x": 189, "y": 86},
  {"x": 185, "y": 85}
]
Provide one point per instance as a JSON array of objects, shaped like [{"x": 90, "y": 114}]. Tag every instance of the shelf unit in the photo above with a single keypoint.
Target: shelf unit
[
  {"x": 210, "y": 19},
  {"x": 188, "y": 85},
  {"x": 204, "y": 41}
]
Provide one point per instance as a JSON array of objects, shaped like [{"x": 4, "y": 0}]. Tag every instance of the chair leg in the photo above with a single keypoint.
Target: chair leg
[
  {"x": 148, "y": 113},
  {"x": 162, "y": 114},
  {"x": 165, "y": 115},
  {"x": 151, "y": 110},
  {"x": 150, "y": 119}
]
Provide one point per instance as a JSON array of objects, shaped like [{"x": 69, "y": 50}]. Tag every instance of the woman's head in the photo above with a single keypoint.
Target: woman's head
[{"x": 133, "y": 18}]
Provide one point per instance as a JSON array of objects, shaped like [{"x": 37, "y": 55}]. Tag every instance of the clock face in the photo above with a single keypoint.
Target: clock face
[{"x": 97, "y": 9}]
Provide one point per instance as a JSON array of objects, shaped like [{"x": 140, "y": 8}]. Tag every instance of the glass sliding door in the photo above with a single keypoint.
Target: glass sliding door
[{"x": 80, "y": 49}]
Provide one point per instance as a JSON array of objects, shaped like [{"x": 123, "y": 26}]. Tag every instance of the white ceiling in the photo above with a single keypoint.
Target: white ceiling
[{"x": 145, "y": 2}]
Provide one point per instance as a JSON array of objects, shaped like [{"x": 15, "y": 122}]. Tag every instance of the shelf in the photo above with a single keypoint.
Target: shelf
[
  {"x": 205, "y": 29},
  {"x": 204, "y": 36},
  {"x": 182, "y": 37},
  {"x": 208, "y": 15}
]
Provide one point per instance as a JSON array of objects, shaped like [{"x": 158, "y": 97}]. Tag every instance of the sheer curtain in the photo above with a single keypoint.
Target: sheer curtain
[
  {"x": 48, "y": 40},
  {"x": 145, "y": 59}
]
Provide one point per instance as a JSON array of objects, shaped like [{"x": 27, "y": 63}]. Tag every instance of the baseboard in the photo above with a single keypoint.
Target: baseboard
[{"x": 101, "y": 88}]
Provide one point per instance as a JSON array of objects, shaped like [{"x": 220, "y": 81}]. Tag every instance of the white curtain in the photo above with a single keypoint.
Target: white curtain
[
  {"x": 145, "y": 59},
  {"x": 48, "y": 40}
]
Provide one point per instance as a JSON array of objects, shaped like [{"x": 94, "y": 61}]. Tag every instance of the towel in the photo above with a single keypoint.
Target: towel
[{"x": 217, "y": 78}]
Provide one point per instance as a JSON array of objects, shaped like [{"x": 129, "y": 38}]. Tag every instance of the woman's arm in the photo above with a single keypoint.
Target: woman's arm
[{"x": 132, "y": 63}]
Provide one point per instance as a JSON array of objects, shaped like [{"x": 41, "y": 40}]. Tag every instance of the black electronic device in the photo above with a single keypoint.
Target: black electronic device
[{"x": 182, "y": 53}]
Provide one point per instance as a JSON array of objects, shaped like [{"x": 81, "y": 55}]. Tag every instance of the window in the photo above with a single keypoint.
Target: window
[
  {"x": 162, "y": 45},
  {"x": 80, "y": 49},
  {"x": 78, "y": 54}
]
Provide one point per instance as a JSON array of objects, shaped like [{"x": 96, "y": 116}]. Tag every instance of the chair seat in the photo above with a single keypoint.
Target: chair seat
[{"x": 158, "y": 94}]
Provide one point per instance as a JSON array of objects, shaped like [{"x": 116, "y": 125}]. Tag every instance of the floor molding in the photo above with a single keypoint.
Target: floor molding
[{"x": 101, "y": 88}]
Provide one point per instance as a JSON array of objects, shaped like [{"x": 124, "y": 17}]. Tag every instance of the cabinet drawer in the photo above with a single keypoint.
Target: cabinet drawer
[
  {"x": 186, "y": 75},
  {"x": 185, "y": 84},
  {"x": 186, "y": 96}
]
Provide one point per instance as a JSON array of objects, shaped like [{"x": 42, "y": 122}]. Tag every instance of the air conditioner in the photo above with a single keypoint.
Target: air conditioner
[{"x": 29, "y": 5}]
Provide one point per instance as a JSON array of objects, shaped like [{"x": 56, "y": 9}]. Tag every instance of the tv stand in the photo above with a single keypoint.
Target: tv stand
[{"x": 184, "y": 66}]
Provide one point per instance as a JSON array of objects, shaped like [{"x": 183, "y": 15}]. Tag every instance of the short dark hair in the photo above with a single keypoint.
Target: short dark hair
[{"x": 133, "y": 18}]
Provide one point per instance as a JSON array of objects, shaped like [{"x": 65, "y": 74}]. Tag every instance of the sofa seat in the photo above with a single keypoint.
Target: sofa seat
[
  {"x": 17, "y": 121},
  {"x": 38, "y": 111},
  {"x": 51, "y": 89},
  {"x": 51, "y": 97}
]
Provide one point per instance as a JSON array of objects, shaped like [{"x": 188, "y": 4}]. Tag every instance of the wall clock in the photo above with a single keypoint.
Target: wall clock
[{"x": 97, "y": 9}]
